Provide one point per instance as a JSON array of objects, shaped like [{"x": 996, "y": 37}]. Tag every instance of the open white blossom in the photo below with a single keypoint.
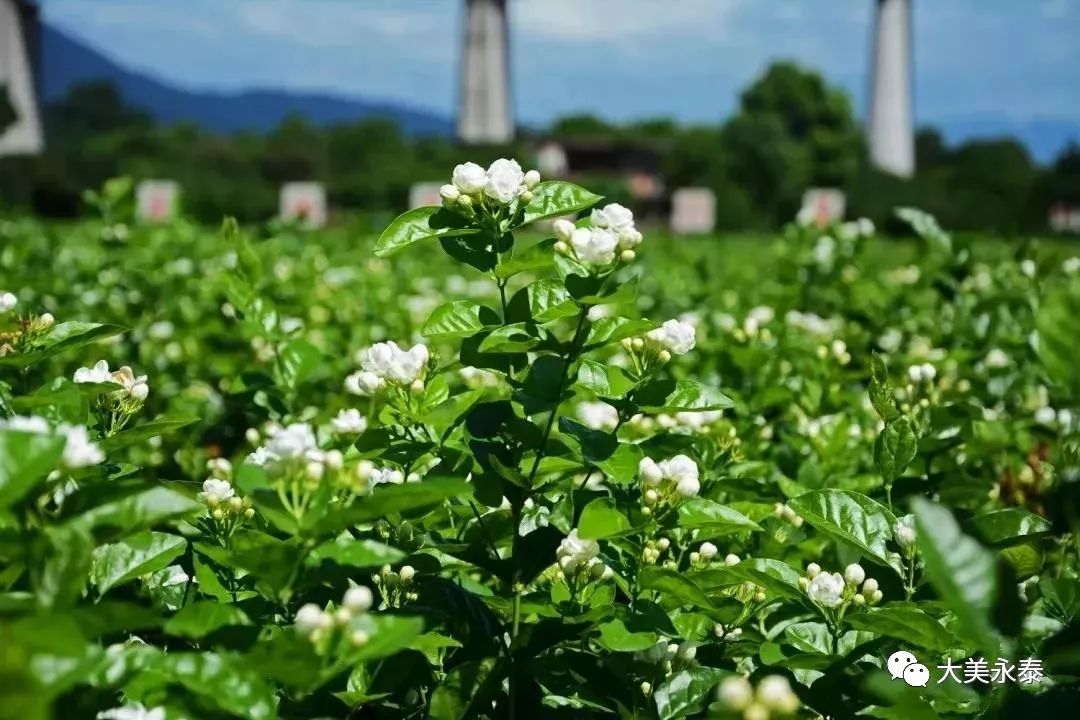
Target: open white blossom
[
  {"x": 827, "y": 589},
  {"x": 574, "y": 552},
  {"x": 79, "y": 450},
  {"x": 215, "y": 491},
  {"x": 684, "y": 473},
  {"x": 598, "y": 415},
  {"x": 620, "y": 221},
  {"x": 470, "y": 178},
  {"x": 385, "y": 476},
  {"x": 390, "y": 363},
  {"x": 674, "y": 335},
  {"x": 134, "y": 386},
  {"x": 505, "y": 180},
  {"x": 349, "y": 422},
  {"x": 132, "y": 712},
  {"x": 594, "y": 246},
  {"x": 8, "y": 301},
  {"x": 99, "y": 373}
]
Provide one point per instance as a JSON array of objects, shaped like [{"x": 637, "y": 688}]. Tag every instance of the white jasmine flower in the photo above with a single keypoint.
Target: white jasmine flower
[
  {"x": 389, "y": 362},
  {"x": 595, "y": 246},
  {"x": 826, "y": 589},
  {"x": 385, "y": 476},
  {"x": 294, "y": 441},
  {"x": 922, "y": 373},
  {"x": 997, "y": 358},
  {"x": 470, "y": 178},
  {"x": 684, "y": 473},
  {"x": 364, "y": 383},
  {"x": 904, "y": 532},
  {"x": 358, "y": 599},
  {"x": 598, "y": 415},
  {"x": 1045, "y": 415},
  {"x": 309, "y": 618},
  {"x": 649, "y": 472},
  {"x": 132, "y": 712},
  {"x": 613, "y": 217},
  {"x": 674, "y": 335},
  {"x": 575, "y": 552},
  {"x": 79, "y": 450},
  {"x": 8, "y": 301},
  {"x": 349, "y": 422},
  {"x": 735, "y": 693},
  {"x": 97, "y": 374},
  {"x": 27, "y": 424},
  {"x": 215, "y": 491},
  {"x": 707, "y": 551},
  {"x": 504, "y": 180},
  {"x": 854, "y": 574},
  {"x": 563, "y": 229},
  {"x": 134, "y": 387},
  {"x": 775, "y": 693}
]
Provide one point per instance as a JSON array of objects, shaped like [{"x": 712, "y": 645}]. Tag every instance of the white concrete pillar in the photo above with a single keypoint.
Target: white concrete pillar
[
  {"x": 891, "y": 124},
  {"x": 485, "y": 113}
]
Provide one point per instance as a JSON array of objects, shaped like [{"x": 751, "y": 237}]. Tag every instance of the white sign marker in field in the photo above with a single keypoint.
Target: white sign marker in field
[
  {"x": 693, "y": 211},
  {"x": 157, "y": 200},
  {"x": 822, "y": 206},
  {"x": 304, "y": 202},
  {"x": 423, "y": 194}
]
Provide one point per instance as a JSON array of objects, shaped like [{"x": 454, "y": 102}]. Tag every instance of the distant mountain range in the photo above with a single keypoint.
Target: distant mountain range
[{"x": 68, "y": 61}]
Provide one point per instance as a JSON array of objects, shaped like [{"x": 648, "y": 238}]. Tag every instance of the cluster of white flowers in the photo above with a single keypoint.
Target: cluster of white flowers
[
  {"x": 855, "y": 229},
  {"x": 668, "y": 480},
  {"x": 1050, "y": 417},
  {"x": 838, "y": 349},
  {"x": 79, "y": 450},
  {"x": 811, "y": 324},
  {"x": 131, "y": 385},
  {"x": 781, "y": 511},
  {"x": 293, "y": 448},
  {"x": 831, "y": 590},
  {"x": 385, "y": 364},
  {"x": 8, "y": 301},
  {"x": 136, "y": 711},
  {"x": 727, "y": 634},
  {"x": 349, "y": 422},
  {"x": 669, "y": 655},
  {"x": 598, "y": 416},
  {"x": 502, "y": 183},
  {"x": 675, "y": 336},
  {"x": 923, "y": 372},
  {"x": 219, "y": 496},
  {"x": 611, "y": 233},
  {"x": 774, "y": 697},
  {"x": 396, "y": 586},
  {"x": 1071, "y": 265},
  {"x": 577, "y": 556},
  {"x": 373, "y": 475},
  {"x": 318, "y": 624},
  {"x": 705, "y": 554}
]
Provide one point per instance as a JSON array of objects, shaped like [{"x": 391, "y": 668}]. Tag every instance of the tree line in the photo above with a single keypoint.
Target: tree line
[{"x": 791, "y": 131}]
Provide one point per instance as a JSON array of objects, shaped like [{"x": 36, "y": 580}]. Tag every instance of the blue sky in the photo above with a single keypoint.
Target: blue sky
[{"x": 1007, "y": 59}]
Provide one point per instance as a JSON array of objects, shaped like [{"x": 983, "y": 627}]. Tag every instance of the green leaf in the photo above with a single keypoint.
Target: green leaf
[
  {"x": 514, "y": 338},
  {"x": 554, "y": 198},
  {"x": 1008, "y": 526},
  {"x": 200, "y": 619},
  {"x": 386, "y": 500},
  {"x": 881, "y": 392},
  {"x": 426, "y": 223},
  {"x": 138, "y": 555},
  {"x": 852, "y": 518},
  {"x": 904, "y": 622},
  {"x": 349, "y": 551},
  {"x": 613, "y": 329},
  {"x": 674, "y": 586},
  {"x": 603, "y": 380},
  {"x": 460, "y": 318},
  {"x": 895, "y": 448},
  {"x": 136, "y": 512},
  {"x": 712, "y": 518},
  {"x": 667, "y": 395},
  {"x": 602, "y": 519},
  {"x": 25, "y": 459},
  {"x": 777, "y": 577},
  {"x": 616, "y": 637},
  {"x": 140, "y": 433},
  {"x": 686, "y": 692},
  {"x": 549, "y": 300},
  {"x": 63, "y": 337},
  {"x": 960, "y": 569},
  {"x": 621, "y": 467},
  {"x": 225, "y": 682},
  {"x": 59, "y": 574},
  {"x": 1058, "y": 325},
  {"x": 536, "y": 257},
  {"x": 466, "y": 691},
  {"x": 298, "y": 361}
]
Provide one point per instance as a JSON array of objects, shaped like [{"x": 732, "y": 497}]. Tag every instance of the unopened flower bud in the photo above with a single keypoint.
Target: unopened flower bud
[
  {"x": 870, "y": 585},
  {"x": 876, "y": 597},
  {"x": 449, "y": 193},
  {"x": 731, "y": 559},
  {"x": 646, "y": 688},
  {"x": 526, "y": 197},
  {"x": 854, "y": 574},
  {"x": 562, "y": 248},
  {"x": 358, "y": 599},
  {"x": 314, "y": 470},
  {"x": 735, "y": 693},
  {"x": 47, "y": 321},
  {"x": 813, "y": 570},
  {"x": 627, "y": 256},
  {"x": 665, "y": 356},
  {"x": 597, "y": 571},
  {"x": 859, "y": 600},
  {"x": 408, "y": 572},
  {"x": 358, "y": 638},
  {"x": 465, "y": 201},
  {"x": 532, "y": 179},
  {"x": 249, "y": 513},
  {"x": 638, "y": 344},
  {"x": 663, "y": 543},
  {"x": 417, "y": 386},
  {"x": 218, "y": 514},
  {"x": 236, "y": 504},
  {"x": 707, "y": 551},
  {"x": 760, "y": 596},
  {"x": 309, "y": 618},
  {"x": 695, "y": 558}
]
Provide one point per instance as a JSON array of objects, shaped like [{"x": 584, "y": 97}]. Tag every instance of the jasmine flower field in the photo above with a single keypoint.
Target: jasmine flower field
[{"x": 492, "y": 462}]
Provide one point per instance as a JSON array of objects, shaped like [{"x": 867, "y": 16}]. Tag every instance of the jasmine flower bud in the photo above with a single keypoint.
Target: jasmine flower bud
[
  {"x": 854, "y": 574},
  {"x": 532, "y": 179},
  {"x": 450, "y": 193},
  {"x": 731, "y": 559},
  {"x": 357, "y": 599},
  {"x": 707, "y": 551},
  {"x": 735, "y": 692}
]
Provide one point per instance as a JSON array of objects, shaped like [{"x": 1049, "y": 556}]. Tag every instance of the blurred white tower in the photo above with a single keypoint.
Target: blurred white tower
[
  {"x": 25, "y": 136},
  {"x": 892, "y": 141},
  {"x": 484, "y": 109}
]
